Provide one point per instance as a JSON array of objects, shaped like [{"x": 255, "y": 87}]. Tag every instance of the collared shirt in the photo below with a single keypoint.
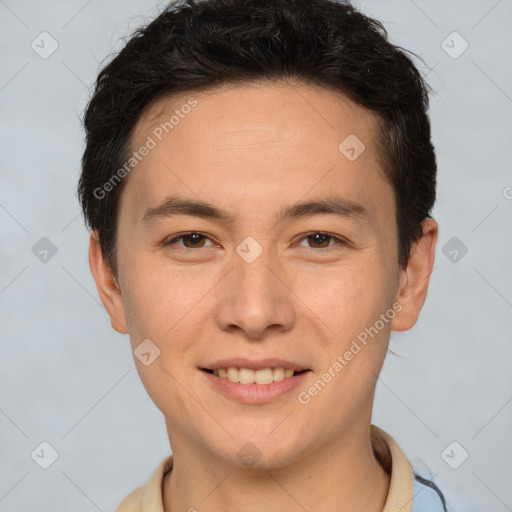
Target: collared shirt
[{"x": 405, "y": 493}]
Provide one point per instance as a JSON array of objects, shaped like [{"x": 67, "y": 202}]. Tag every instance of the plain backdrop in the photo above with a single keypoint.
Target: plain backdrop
[{"x": 69, "y": 380}]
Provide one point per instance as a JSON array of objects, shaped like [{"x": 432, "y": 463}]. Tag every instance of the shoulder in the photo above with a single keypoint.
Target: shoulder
[
  {"x": 148, "y": 497},
  {"x": 132, "y": 502},
  {"x": 427, "y": 496}
]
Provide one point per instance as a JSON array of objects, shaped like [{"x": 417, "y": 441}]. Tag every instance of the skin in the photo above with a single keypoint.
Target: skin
[{"x": 251, "y": 151}]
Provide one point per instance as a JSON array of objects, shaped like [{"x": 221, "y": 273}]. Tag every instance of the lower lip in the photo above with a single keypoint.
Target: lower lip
[{"x": 255, "y": 393}]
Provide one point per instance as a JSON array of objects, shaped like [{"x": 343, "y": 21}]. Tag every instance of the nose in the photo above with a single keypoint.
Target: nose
[{"x": 255, "y": 299}]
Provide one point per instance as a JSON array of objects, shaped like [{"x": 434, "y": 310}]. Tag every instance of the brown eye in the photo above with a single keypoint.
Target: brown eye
[
  {"x": 319, "y": 239},
  {"x": 189, "y": 240},
  {"x": 196, "y": 240}
]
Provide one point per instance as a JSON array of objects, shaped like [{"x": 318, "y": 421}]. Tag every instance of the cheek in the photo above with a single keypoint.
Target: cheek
[
  {"x": 164, "y": 385},
  {"x": 345, "y": 299},
  {"x": 349, "y": 301},
  {"x": 161, "y": 305},
  {"x": 159, "y": 298}
]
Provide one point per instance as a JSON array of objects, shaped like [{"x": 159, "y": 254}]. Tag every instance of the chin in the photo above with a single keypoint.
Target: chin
[{"x": 260, "y": 452}]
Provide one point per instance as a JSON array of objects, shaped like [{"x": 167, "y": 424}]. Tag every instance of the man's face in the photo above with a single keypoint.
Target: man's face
[{"x": 258, "y": 290}]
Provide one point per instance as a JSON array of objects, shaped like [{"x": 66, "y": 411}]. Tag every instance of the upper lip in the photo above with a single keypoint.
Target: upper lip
[{"x": 254, "y": 364}]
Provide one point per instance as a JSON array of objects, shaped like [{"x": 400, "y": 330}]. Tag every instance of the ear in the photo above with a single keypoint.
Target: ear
[
  {"x": 108, "y": 290},
  {"x": 415, "y": 278}
]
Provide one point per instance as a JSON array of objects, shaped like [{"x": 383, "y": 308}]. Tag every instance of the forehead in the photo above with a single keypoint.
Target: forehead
[
  {"x": 259, "y": 142},
  {"x": 271, "y": 107}
]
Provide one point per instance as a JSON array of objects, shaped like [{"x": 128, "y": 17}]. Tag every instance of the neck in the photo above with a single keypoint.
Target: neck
[{"x": 343, "y": 475}]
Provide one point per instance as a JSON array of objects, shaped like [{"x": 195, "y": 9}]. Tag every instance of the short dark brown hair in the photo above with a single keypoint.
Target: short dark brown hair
[{"x": 198, "y": 45}]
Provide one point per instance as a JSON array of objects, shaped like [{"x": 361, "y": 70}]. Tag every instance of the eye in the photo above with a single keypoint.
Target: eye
[
  {"x": 322, "y": 240},
  {"x": 196, "y": 240},
  {"x": 191, "y": 240}
]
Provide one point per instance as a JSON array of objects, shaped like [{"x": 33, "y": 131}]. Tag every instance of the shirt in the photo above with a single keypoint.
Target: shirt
[{"x": 405, "y": 493}]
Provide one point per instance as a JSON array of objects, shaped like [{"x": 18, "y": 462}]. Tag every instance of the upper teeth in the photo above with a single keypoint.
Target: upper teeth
[{"x": 248, "y": 376}]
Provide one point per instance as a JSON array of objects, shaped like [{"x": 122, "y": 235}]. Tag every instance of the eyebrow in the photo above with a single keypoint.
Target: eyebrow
[{"x": 332, "y": 205}]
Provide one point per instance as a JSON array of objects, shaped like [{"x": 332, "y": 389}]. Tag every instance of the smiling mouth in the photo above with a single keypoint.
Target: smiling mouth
[{"x": 250, "y": 376}]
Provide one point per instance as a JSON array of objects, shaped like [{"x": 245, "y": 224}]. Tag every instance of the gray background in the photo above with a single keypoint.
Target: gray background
[{"x": 68, "y": 379}]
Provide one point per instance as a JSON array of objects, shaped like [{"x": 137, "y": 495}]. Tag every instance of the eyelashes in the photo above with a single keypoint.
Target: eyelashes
[
  {"x": 196, "y": 240},
  {"x": 188, "y": 235},
  {"x": 323, "y": 236}
]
